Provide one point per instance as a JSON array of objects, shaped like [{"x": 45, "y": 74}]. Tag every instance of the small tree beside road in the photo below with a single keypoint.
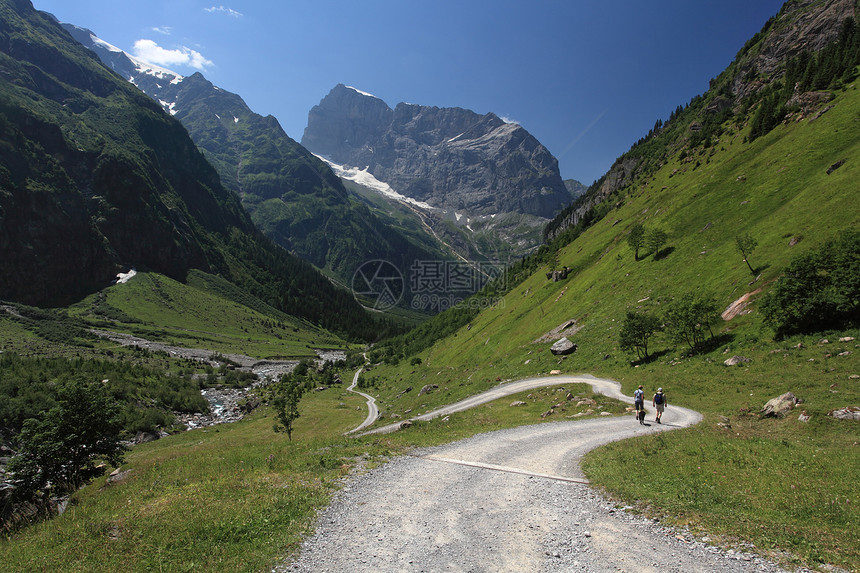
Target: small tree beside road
[
  {"x": 637, "y": 330},
  {"x": 285, "y": 397}
]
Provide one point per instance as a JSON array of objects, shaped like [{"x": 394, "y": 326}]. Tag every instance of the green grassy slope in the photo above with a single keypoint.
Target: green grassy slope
[{"x": 208, "y": 312}]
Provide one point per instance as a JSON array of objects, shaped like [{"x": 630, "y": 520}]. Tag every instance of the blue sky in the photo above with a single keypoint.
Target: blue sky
[{"x": 586, "y": 77}]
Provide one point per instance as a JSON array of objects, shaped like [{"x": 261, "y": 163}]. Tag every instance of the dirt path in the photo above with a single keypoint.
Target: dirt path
[
  {"x": 600, "y": 386},
  {"x": 513, "y": 500}
]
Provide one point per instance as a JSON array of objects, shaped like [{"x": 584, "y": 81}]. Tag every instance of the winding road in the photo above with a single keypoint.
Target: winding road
[
  {"x": 372, "y": 410},
  {"x": 513, "y": 500}
]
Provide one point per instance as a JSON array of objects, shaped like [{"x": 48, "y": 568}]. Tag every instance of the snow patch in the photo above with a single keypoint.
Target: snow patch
[
  {"x": 363, "y": 177},
  {"x": 457, "y": 137},
  {"x": 99, "y": 42},
  {"x": 169, "y": 106},
  {"x": 124, "y": 277},
  {"x": 155, "y": 71},
  {"x": 361, "y": 92}
]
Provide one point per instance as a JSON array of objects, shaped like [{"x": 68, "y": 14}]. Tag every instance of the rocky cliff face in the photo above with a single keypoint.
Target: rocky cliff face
[
  {"x": 800, "y": 25},
  {"x": 451, "y": 158}
]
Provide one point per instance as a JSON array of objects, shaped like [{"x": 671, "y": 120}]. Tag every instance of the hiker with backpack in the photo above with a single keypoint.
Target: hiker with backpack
[
  {"x": 659, "y": 402},
  {"x": 639, "y": 404}
]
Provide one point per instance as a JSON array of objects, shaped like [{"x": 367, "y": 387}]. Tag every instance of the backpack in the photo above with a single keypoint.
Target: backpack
[{"x": 658, "y": 398}]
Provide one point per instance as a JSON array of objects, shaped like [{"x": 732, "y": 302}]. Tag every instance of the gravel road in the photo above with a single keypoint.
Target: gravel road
[
  {"x": 372, "y": 409},
  {"x": 513, "y": 500}
]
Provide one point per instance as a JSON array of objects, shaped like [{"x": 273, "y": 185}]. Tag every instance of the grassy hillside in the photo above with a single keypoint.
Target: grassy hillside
[
  {"x": 778, "y": 190},
  {"x": 208, "y": 312}
]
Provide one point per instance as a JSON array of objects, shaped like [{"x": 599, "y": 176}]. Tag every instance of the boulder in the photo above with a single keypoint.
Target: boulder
[
  {"x": 407, "y": 389},
  {"x": 563, "y": 347},
  {"x": 804, "y": 417},
  {"x": 117, "y": 476},
  {"x": 406, "y": 424},
  {"x": 780, "y": 406},
  {"x": 516, "y": 403},
  {"x": 145, "y": 437},
  {"x": 737, "y": 360},
  {"x": 427, "y": 389},
  {"x": 846, "y": 413},
  {"x": 835, "y": 166}
]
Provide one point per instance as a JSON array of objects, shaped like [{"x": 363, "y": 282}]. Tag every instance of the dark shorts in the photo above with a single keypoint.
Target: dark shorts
[{"x": 639, "y": 405}]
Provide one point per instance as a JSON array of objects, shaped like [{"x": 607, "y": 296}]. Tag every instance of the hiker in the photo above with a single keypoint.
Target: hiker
[
  {"x": 639, "y": 404},
  {"x": 659, "y": 402}
]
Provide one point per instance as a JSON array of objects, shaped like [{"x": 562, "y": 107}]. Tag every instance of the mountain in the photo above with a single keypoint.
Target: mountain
[
  {"x": 291, "y": 195},
  {"x": 575, "y": 188},
  {"x": 453, "y": 162},
  {"x": 450, "y": 158},
  {"x": 95, "y": 178}
]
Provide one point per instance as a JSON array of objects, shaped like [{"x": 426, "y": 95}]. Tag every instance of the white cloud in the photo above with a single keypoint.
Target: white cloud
[
  {"x": 150, "y": 51},
  {"x": 166, "y": 30},
  {"x": 224, "y": 10}
]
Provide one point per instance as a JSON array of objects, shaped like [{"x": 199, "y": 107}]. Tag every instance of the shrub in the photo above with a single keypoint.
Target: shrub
[{"x": 819, "y": 290}]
